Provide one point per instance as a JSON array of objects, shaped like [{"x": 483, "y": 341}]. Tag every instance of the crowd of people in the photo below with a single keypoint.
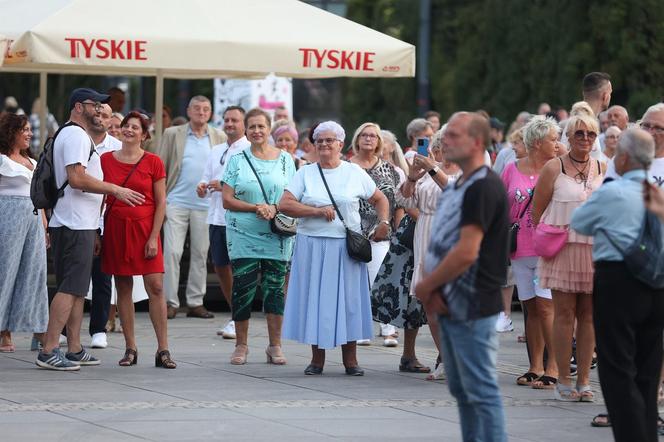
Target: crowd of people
[{"x": 439, "y": 233}]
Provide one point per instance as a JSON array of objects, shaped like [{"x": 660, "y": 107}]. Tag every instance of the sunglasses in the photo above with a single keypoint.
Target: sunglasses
[{"x": 582, "y": 134}]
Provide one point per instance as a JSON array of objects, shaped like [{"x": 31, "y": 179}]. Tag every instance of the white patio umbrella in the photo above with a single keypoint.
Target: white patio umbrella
[{"x": 194, "y": 39}]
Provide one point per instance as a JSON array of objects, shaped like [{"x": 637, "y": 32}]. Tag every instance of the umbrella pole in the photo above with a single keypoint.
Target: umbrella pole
[
  {"x": 158, "y": 106},
  {"x": 43, "y": 92}
]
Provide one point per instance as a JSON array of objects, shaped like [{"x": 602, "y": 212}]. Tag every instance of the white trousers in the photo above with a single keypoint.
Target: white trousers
[{"x": 178, "y": 222}]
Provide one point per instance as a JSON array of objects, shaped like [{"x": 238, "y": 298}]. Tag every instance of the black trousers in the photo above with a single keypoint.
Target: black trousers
[
  {"x": 629, "y": 319},
  {"x": 101, "y": 298}
]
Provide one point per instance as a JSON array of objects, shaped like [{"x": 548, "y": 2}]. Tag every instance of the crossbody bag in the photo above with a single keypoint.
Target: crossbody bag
[
  {"x": 281, "y": 224},
  {"x": 358, "y": 246}
]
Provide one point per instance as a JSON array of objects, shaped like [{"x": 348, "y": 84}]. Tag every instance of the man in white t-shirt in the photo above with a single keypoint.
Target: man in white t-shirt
[
  {"x": 210, "y": 186},
  {"x": 101, "y": 282},
  {"x": 73, "y": 228}
]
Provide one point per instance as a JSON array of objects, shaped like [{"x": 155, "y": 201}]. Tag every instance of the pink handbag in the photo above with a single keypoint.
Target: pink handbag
[{"x": 549, "y": 240}]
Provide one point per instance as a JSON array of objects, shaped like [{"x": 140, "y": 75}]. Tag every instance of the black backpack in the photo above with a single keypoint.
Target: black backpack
[{"x": 44, "y": 191}]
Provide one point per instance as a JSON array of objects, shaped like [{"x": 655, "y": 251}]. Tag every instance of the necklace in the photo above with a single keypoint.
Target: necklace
[
  {"x": 574, "y": 160},
  {"x": 581, "y": 177}
]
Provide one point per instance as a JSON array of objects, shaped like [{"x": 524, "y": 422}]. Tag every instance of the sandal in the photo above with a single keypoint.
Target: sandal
[
  {"x": 545, "y": 382},
  {"x": 412, "y": 365},
  {"x": 163, "y": 359},
  {"x": 130, "y": 358},
  {"x": 438, "y": 373},
  {"x": 565, "y": 393},
  {"x": 239, "y": 356},
  {"x": 274, "y": 355},
  {"x": 601, "y": 420},
  {"x": 585, "y": 393},
  {"x": 527, "y": 379}
]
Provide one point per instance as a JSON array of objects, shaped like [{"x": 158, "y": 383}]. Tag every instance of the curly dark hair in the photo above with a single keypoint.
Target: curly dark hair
[{"x": 11, "y": 126}]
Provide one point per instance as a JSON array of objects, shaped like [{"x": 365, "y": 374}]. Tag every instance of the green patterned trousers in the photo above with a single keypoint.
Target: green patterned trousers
[{"x": 245, "y": 281}]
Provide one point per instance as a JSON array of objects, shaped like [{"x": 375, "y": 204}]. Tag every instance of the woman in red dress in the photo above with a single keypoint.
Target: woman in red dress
[{"x": 131, "y": 234}]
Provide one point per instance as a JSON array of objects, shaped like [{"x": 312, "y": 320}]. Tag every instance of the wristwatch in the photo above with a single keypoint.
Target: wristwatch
[{"x": 434, "y": 171}]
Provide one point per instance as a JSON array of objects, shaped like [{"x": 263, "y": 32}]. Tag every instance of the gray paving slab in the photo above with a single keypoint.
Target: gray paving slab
[{"x": 208, "y": 399}]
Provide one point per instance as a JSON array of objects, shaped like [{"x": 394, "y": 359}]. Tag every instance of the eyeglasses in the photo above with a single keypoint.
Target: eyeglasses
[
  {"x": 581, "y": 134},
  {"x": 97, "y": 105},
  {"x": 612, "y": 137},
  {"x": 328, "y": 141},
  {"x": 652, "y": 128},
  {"x": 369, "y": 136}
]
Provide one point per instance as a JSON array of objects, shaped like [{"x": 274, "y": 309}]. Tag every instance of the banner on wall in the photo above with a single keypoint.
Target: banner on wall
[{"x": 268, "y": 93}]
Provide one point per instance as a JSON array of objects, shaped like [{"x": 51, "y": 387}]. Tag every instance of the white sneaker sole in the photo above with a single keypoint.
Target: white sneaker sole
[
  {"x": 51, "y": 367},
  {"x": 363, "y": 342},
  {"x": 390, "y": 343}
]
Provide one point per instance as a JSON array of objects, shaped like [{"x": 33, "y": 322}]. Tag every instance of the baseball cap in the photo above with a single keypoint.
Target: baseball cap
[
  {"x": 81, "y": 94},
  {"x": 496, "y": 123}
]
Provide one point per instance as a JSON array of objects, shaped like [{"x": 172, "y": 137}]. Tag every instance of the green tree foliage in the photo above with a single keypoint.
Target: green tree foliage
[{"x": 506, "y": 56}]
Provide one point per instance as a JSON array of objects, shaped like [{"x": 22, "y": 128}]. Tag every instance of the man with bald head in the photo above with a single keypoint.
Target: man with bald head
[
  {"x": 653, "y": 123},
  {"x": 618, "y": 116},
  {"x": 627, "y": 313},
  {"x": 465, "y": 266}
]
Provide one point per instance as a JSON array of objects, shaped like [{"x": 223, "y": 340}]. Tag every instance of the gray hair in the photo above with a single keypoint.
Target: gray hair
[
  {"x": 331, "y": 126},
  {"x": 659, "y": 107},
  {"x": 199, "y": 99},
  {"x": 638, "y": 145},
  {"x": 416, "y": 126},
  {"x": 537, "y": 129},
  {"x": 397, "y": 153}
]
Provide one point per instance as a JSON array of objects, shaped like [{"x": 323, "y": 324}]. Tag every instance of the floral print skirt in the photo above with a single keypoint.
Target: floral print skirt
[{"x": 391, "y": 302}]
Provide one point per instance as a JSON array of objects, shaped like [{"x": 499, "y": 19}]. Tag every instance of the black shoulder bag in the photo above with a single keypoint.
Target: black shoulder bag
[
  {"x": 359, "y": 247},
  {"x": 281, "y": 224},
  {"x": 514, "y": 228},
  {"x": 644, "y": 258}
]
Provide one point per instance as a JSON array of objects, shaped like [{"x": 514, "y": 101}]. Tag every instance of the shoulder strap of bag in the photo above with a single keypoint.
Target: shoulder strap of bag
[
  {"x": 244, "y": 152},
  {"x": 108, "y": 210},
  {"x": 334, "y": 203}
]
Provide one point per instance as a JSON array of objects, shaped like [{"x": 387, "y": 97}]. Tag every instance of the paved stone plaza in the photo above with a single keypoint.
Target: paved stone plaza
[{"x": 208, "y": 399}]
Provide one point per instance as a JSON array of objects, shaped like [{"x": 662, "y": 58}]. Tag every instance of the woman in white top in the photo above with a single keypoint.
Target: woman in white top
[
  {"x": 328, "y": 292},
  {"x": 23, "y": 293}
]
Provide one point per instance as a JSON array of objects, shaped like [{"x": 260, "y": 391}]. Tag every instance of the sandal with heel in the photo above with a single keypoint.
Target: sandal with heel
[
  {"x": 585, "y": 393},
  {"x": 130, "y": 358},
  {"x": 239, "y": 356},
  {"x": 274, "y": 355},
  {"x": 565, "y": 393},
  {"x": 163, "y": 359}
]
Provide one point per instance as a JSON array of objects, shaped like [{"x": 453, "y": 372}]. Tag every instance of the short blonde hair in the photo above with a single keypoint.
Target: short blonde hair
[
  {"x": 516, "y": 135},
  {"x": 575, "y": 121},
  {"x": 581, "y": 108},
  {"x": 356, "y": 137}
]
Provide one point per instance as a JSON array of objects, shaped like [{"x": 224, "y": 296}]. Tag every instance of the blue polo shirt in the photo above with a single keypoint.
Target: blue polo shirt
[{"x": 196, "y": 151}]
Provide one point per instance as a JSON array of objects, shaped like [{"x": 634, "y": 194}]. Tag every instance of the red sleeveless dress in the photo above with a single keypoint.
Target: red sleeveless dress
[{"x": 127, "y": 229}]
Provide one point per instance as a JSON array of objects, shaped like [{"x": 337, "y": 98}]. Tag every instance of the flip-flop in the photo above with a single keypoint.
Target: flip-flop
[
  {"x": 545, "y": 382},
  {"x": 601, "y": 420},
  {"x": 527, "y": 379}
]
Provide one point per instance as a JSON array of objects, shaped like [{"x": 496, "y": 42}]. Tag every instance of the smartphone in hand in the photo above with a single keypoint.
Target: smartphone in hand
[{"x": 423, "y": 146}]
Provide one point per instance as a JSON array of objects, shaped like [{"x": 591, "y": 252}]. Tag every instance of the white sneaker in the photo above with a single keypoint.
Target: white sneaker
[
  {"x": 504, "y": 323},
  {"x": 99, "y": 340},
  {"x": 387, "y": 330},
  {"x": 227, "y": 332},
  {"x": 390, "y": 341},
  {"x": 62, "y": 341},
  {"x": 363, "y": 342}
]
